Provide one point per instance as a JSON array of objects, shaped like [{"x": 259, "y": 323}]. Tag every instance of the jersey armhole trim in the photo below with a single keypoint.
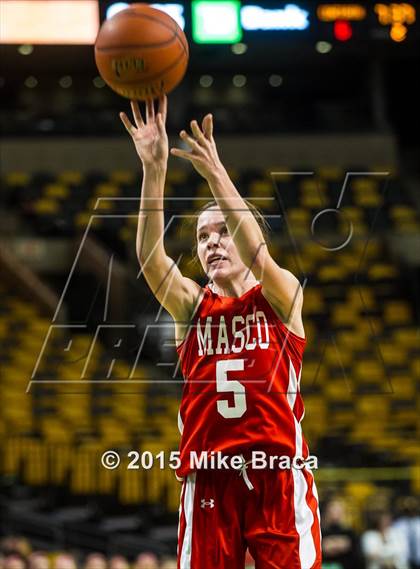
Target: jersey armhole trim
[
  {"x": 204, "y": 292},
  {"x": 287, "y": 331}
]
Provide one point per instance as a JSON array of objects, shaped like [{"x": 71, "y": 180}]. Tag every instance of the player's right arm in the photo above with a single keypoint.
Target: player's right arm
[{"x": 176, "y": 293}]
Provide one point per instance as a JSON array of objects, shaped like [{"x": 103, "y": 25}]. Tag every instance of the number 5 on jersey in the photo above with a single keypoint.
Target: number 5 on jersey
[{"x": 225, "y": 385}]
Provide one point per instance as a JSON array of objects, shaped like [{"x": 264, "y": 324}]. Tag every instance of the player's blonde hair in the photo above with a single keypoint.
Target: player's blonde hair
[{"x": 259, "y": 216}]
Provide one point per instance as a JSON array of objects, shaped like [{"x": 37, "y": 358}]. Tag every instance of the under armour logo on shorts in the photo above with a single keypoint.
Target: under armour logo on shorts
[{"x": 208, "y": 503}]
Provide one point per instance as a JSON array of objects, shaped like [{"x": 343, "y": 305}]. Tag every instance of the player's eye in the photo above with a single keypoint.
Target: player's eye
[
  {"x": 224, "y": 229},
  {"x": 202, "y": 236}
]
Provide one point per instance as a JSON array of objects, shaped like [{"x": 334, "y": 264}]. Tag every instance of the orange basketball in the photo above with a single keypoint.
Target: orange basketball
[{"x": 141, "y": 52}]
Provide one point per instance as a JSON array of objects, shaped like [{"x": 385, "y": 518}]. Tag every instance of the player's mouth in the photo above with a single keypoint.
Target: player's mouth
[{"x": 216, "y": 260}]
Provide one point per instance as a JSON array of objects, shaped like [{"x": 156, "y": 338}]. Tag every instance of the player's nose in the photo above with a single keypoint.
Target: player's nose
[{"x": 213, "y": 240}]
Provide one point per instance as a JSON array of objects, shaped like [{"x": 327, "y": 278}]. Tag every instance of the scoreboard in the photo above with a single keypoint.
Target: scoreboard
[
  {"x": 219, "y": 21},
  {"x": 61, "y": 22}
]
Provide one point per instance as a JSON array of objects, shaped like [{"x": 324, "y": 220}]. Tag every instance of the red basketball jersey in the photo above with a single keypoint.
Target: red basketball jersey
[{"x": 242, "y": 370}]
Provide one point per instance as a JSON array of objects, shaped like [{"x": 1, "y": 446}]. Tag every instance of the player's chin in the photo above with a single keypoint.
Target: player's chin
[{"x": 218, "y": 272}]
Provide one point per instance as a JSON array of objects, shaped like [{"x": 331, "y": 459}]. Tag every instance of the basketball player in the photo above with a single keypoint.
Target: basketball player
[{"x": 240, "y": 340}]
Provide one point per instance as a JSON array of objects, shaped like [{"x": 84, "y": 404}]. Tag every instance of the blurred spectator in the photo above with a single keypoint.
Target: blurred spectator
[
  {"x": 15, "y": 544},
  {"x": 39, "y": 560},
  {"x": 408, "y": 523},
  {"x": 146, "y": 560},
  {"x": 64, "y": 561},
  {"x": 118, "y": 562},
  {"x": 168, "y": 563},
  {"x": 340, "y": 545},
  {"x": 15, "y": 561},
  {"x": 95, "y": 561},
  {"x": 384, "y": 547}
]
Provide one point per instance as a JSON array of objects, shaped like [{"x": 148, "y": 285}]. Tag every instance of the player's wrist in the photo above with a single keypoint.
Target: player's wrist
[
  {"x": 155, "y": 168},
  {"x": 216, "y": 174}
]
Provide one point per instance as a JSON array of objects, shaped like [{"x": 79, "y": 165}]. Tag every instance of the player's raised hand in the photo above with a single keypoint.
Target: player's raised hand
[
  {"x": 203, "y": 154},
  {"x": 150, "y": 138}
]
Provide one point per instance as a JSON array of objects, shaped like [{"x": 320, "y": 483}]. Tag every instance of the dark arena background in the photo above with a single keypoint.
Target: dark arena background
[{"x": 316, "y": 112}]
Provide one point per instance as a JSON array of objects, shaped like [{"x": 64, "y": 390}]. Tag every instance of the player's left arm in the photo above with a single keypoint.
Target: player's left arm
[{"x": 280, "y": 287}]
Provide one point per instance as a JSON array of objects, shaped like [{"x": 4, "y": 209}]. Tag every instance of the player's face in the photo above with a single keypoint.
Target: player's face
[{"x": 216, "y": 249}]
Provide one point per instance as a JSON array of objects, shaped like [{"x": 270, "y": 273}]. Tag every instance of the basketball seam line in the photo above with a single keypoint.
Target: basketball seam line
[
  {"x": 164, "y": 24},
  {"x": 140, "y": 45},
  {"x": 175, "y": 29}
]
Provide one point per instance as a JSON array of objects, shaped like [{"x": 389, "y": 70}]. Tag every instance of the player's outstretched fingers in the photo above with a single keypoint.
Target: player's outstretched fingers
[
  {"x": 181, "y": 153},
  {"x": 163, "y": 106},
  {"x": 192, "y": 143},
  {"x": 160, "y": 123},
  {"x": 126, "y": 121},
  {"x": 137, "y": 114},
  {"x": 207, "y": 126},
  {"x": 150, "y": 111},
  {"x": 198, "y": 135}
]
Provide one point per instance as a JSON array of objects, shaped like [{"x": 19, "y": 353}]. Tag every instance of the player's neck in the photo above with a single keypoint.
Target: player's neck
[{"x": 233, "y": 289}]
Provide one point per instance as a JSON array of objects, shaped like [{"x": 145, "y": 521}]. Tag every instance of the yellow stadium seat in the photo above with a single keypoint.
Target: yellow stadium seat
[
  {"x": 298, "y": 216},
  {"x": 17, "y": 179},
  {"x": 333, "y": 173},
  {"x": 263, "y": 188},
  {"x": 177, "y": 175},
  {"x": 70, "y": 177},
  {"x": 313, "y": 193},
  {"x": 100, "y": 205},
  {"x": 364, "y": 184},
  {"x": 411, "y": 227},
  {"x": 403, "y": 213},
  {"x": 393, "y": 354},
  {"x": 360, "y": 493},
  {"x": 123, "y": 177},
  {"x": 127, "y": 234},
  {"x": 415, "y": 366},
  {"x": 368, "y": 199},
  {"x": 409, "y": 450},
  {"x": 130, "y": 486},
  {"x": 313, "y": 301},
  {"x": 380, "y": 271},
  {"x": 361, "y": 297},
  {"x": 35, "y": 463},
  {"x": 369, "y": 370},
  {"x": 105, "y": 190},
  {"x": 233, "y": 173},
  {"x": 56, "y": 191},
  {"x": 342, "y": 418},
  {"x": 338, "y": 390},
  {"x": 407, "y": 337},
  {"x": 352, "y": 213},
  {"x": 81, "y": 220},
  {"x": 397, "y": 312},
  {"x": 312, "y": 185},
  {"x": 372, "y": 406},
  {"x": 403, "y": 386},
  {"x": 371, "y": 250},
  {"x": 299, "y": 222},
  {"x": 45, "y": 206},
  {"x": 343, "y": 315},
  {"x": 333, "y": 272}
]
